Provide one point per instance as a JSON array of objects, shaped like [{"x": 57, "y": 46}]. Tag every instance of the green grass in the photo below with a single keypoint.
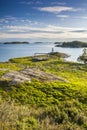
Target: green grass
[{"x": 45, "y": 105}]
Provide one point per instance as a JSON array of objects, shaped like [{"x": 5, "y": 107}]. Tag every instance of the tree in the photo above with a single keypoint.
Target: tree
[{"x": 83, "y": 57}]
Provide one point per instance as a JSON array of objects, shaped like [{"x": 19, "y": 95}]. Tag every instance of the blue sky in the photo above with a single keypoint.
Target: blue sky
[{"x": 43, "y": 20}]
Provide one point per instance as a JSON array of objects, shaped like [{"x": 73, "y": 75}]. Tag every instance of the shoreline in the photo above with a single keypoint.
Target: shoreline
[{"x": 19, "y": 50}]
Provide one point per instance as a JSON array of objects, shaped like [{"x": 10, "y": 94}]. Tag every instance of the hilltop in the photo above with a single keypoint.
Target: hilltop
[{"x": 49, "y": 94}]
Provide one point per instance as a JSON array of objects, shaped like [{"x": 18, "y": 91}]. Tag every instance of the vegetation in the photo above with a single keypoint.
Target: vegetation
[
  {"x": 73, "y": 44},
  {"x": 38, "y": 105},
  {"x": 17, "y": 42},
  {"x": 83, "y": 57}
]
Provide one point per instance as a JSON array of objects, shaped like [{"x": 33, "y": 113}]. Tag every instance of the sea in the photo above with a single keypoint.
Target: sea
[{"x": 8, "y": 51}]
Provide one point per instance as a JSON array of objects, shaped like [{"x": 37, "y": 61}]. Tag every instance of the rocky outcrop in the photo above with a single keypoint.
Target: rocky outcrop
[
  {"x": 41, "y": 75},
  {"x": 26, "y": 75},
  {"x": 15, "y": 77},
  {"x": 59, "y": 54}
]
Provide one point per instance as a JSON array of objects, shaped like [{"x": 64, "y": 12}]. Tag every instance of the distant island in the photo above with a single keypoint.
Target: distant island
[
  {"x": 73, "y": 44},
  {"x": 16, "y": 42},
  {"x": 38, "y": 42}
]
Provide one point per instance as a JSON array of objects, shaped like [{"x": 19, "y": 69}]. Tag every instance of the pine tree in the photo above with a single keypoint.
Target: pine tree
[{"x": 83, "y": 57}]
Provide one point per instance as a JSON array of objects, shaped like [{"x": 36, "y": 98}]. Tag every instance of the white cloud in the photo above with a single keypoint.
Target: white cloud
[
  {"x": 58, "y": 3},
  {"x": 15, "y": 20},
  {"x": 48, "y": 28},
  {"x": 80, "y": 17},
  {"x": 57, "y": 9},
  {"x": 62, "y": 16},
  {"x": 31, "y": 2},
  {"x": 3, "y": 21},
  {"x": 48, "y": 32},
  {"x": 83, "y": 17},
  {"x": 44, "y": 35}
]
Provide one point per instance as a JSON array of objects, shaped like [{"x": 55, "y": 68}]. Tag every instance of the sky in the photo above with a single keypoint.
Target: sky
[{"x": 43, "y": 20}]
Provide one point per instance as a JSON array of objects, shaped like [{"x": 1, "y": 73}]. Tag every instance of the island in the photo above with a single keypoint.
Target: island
[
  {"x": 73, "y": 44},
  {"x": 38, "y": 42},
  {"x": 16, "y": 42}
]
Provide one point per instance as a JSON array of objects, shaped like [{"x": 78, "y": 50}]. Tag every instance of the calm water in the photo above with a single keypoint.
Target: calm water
[{"x": 8, "y": 51}]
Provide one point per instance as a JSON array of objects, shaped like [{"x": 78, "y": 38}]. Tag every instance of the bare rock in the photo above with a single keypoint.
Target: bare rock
[
  {"x": 36, "y": 73},
  {"x": 16, "y": 78},
  {"x": 26, "y": 75}
]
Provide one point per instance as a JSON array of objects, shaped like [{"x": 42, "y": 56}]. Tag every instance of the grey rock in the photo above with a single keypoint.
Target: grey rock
[{"x": 26, "y": 75}]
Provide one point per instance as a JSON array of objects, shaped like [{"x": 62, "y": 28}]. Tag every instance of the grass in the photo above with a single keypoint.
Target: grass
[{"x": 45, "y": 105}]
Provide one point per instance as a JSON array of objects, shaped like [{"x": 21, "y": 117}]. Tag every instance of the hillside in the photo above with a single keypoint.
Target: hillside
[
  {"x": 53, "y": 95},
  {"x": 73, "y": 44}
]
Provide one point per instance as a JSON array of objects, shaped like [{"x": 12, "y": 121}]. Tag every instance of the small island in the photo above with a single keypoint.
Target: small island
[
  {"x": 38, "y": 42},
  {"x": 73, "y": 44},
  {"x": 17, "y": 42}
]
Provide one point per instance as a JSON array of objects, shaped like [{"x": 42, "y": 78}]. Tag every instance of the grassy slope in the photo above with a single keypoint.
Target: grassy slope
[{"x": 45, "y": 105}]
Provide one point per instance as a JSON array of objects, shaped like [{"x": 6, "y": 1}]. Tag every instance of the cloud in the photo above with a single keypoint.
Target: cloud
[
  {"x": 58, "y": 3},
  {"x": 62, "y": 16},
  {"x": 48, "y": 32},
  {"x": 3, "y": 21},
  {"x": 57, "y": 9},
  {"x": 7, "y": 19},
  {"x": 80, "y": 17},
  {"x": 31, "y": 2},
  {"x": 43, "y": 35},
  {"x": 10, "y": 20},
  {"x": 30, "y": 29},
  {"x": 83, "y": 17},
  {"x": 27, "y": 28},
  {"x": 80, "y": 31}
]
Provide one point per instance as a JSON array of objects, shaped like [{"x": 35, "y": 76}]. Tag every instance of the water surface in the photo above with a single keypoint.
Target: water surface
[{"x": 8, "y": 51}]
